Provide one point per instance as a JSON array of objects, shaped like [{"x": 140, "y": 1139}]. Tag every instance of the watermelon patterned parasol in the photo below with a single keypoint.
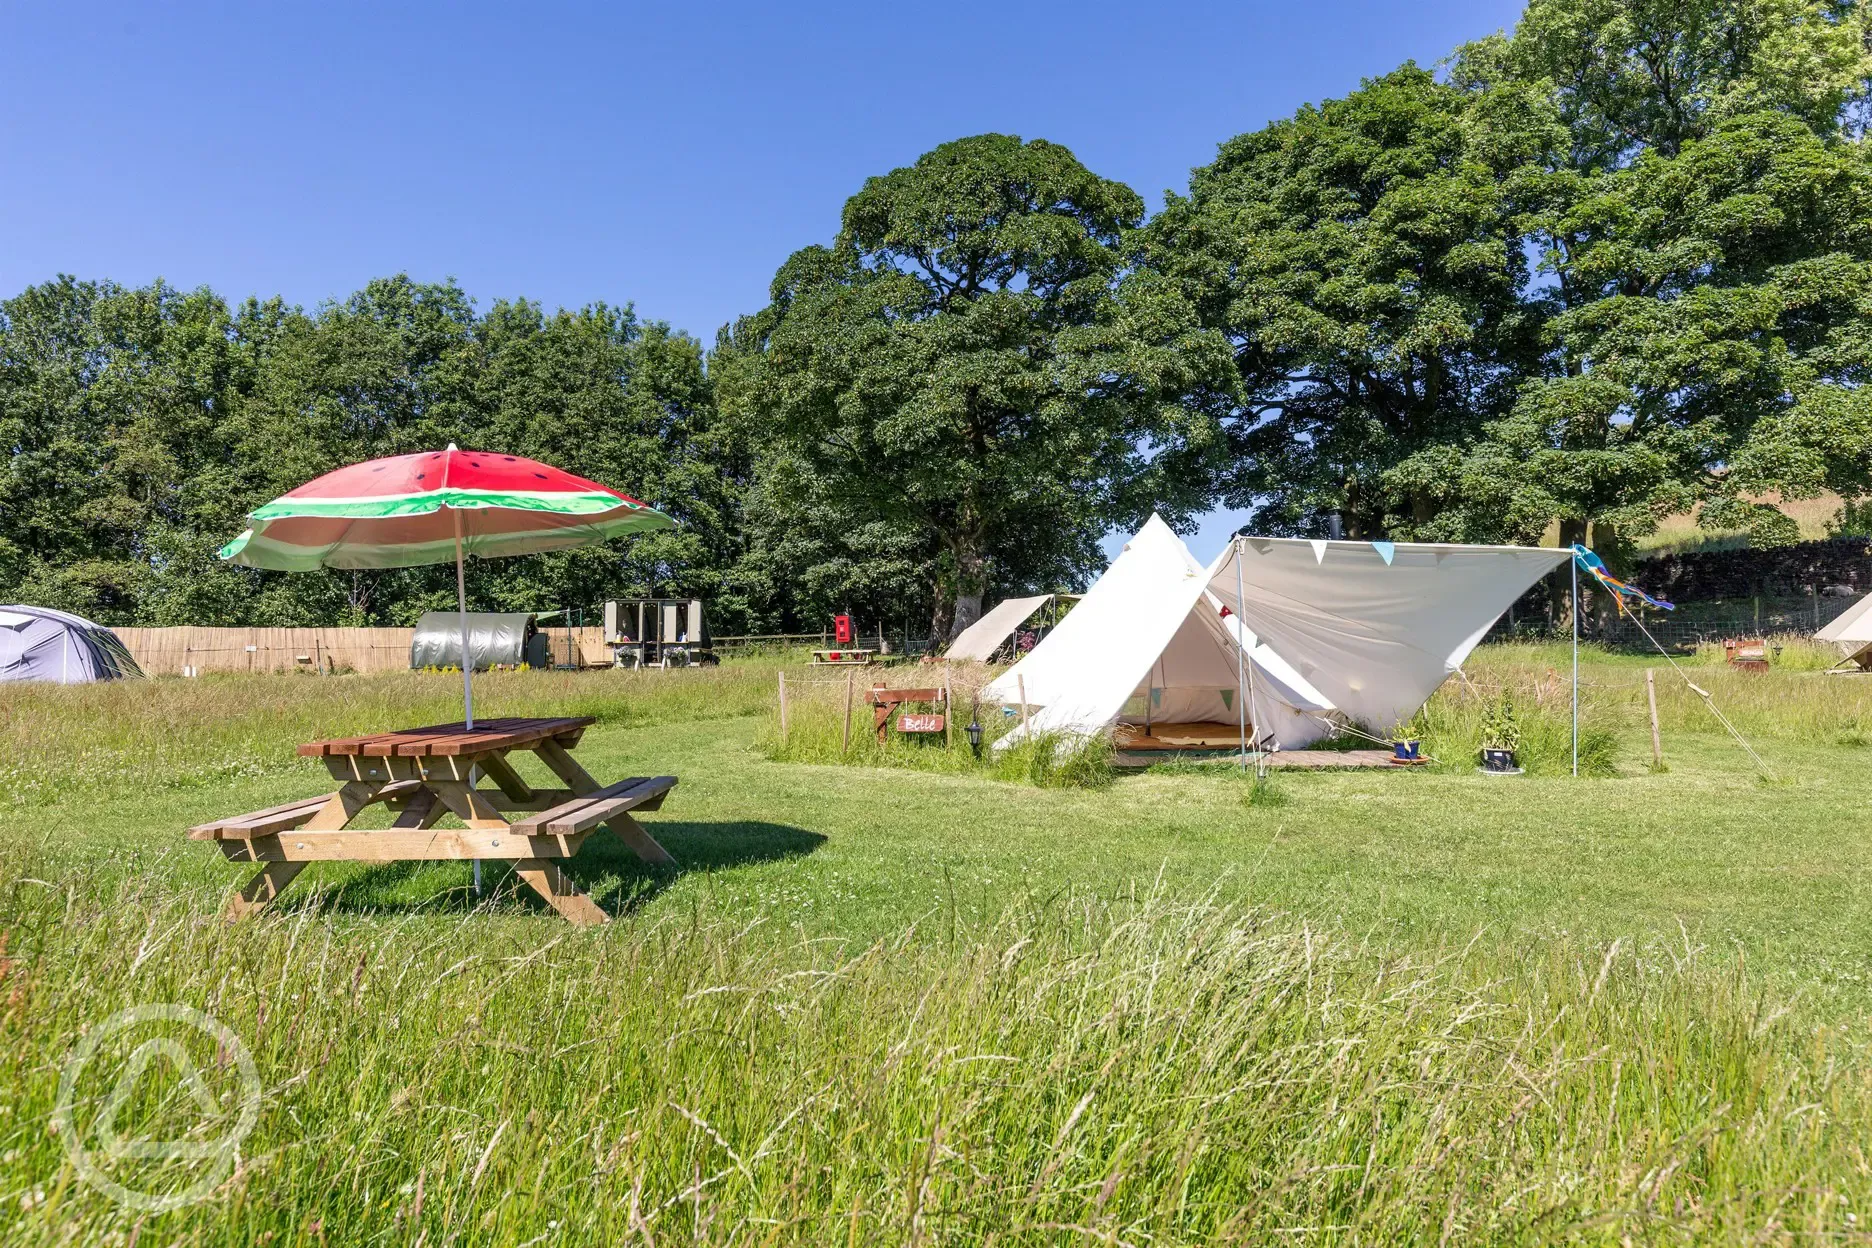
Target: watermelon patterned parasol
[
  {"x": 436, "y": 507},
  {"x": 409, "y": 510}
]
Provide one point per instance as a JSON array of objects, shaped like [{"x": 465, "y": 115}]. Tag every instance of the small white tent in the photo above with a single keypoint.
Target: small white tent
[
  {"x": 980, "y": 640},
  {"x": 1852, "y": 633},
  {"x": 1149, "y": 629}
]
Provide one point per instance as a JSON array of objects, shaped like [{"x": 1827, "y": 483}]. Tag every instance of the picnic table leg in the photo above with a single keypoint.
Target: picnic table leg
[
  {"x": 567, "y": 768},
  {"x": 339, "y": 809},
  {"x": 640, "y": 841},
  {"x": 542, "y": 874},
  {"x": 263, "y": 888},
  {"x": 560, "y": 891},
  {"x": 627, "y": 829},
  {"x": 422, "y": 812},
  {"x": 469, "y": 804},
  {"x": 505, "y": 778}
]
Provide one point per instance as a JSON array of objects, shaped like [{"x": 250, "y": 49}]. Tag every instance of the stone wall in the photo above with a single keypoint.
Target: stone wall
[{"x": 1782, "y": 571}]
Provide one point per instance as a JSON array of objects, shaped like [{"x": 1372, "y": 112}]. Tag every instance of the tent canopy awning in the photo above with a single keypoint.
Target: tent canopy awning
[
  {"x": 980, "y": 640},
  {"x": 1374, "y": 626}
]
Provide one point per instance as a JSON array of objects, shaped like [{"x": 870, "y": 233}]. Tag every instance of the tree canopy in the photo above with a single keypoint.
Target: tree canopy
[
  {"x": 953, "y": 365},
  {"x": 1606, "y": 268},
  {"x": 146, "y": 423}
]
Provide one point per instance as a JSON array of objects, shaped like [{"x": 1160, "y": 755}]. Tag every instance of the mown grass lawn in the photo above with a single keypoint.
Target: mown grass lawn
[{"x": 887, "y": 1003}]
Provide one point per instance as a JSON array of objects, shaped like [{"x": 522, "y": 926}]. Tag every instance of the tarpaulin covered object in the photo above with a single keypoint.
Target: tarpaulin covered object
[
  {"x": 38, "y": 643},
  {"x": 980, "y": 640},
  {"x": 495, "y": 639}
]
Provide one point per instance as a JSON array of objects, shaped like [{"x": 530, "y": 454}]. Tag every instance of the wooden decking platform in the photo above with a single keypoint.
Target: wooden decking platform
[{"x": 1197, "y": 736}]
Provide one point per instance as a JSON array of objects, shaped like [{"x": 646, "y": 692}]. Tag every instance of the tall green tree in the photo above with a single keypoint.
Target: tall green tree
[
  {"x": 1710, "y": 349},
  {"x": 110, "y": 406},
  {"x": 1609, "y": 267},
  {"x": 954, "y": 363},
  {"x": 1701, "y": 232},
  {"x": 1360, "y": 266}
]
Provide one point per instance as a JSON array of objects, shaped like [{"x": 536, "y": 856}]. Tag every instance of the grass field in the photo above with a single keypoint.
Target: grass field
[{"x": 906, "y": 999}]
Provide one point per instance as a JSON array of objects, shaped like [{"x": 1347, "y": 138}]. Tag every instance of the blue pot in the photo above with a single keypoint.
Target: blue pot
[
  {"x": 1407, "y": 751},
  {"x": 1497, "y": 760}
]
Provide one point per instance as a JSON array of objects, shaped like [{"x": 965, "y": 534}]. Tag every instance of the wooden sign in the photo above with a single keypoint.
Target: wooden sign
[{"x": 912, "y": 722}]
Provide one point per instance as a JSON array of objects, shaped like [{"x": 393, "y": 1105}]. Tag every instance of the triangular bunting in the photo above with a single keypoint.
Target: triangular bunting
[
  {"x": 1319, "y": 551},
  {"x": 1386, "y": 551}
]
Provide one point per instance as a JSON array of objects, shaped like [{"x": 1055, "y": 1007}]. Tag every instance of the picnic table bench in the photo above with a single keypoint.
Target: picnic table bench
[{"x": 422, "y": 774}]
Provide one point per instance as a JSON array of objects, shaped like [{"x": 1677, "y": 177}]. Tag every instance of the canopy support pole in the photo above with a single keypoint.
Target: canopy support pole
[
  {"x": 1241, "y": 682},
  {"x": 1574, "y": 565}
]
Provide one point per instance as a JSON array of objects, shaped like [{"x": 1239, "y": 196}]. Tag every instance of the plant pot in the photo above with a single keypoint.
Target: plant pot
[
  {"x": 1497, "y": 760},
  {"x": 1410, "y": 751}
]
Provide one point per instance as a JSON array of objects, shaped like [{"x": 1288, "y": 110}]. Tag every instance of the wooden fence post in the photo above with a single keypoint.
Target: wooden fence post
[
  {"x": 845, "y": 745},
  {"x": 1657, "y": 746},
  {"x": 948, "y": 714},
  {"x": 783, "y": 719}
]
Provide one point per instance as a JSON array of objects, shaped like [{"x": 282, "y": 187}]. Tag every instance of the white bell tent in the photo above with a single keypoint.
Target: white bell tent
[
  {"x": 1150, "y": 630},
  {"x": 1289, "y": 635}
]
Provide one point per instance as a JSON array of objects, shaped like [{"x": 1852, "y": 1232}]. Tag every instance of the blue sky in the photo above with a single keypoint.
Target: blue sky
[{"x": 670, "y": 156}]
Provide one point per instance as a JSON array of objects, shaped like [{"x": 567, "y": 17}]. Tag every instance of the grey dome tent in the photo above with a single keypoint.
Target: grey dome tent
[
  {"x": 495, "y": 639},
  {"x": 38, "y": 643}
]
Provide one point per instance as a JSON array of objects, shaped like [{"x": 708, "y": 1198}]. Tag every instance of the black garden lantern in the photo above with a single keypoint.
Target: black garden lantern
[{"x": 974, "y": 731}]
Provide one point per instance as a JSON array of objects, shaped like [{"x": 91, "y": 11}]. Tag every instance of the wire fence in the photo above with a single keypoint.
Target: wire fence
[{"x": 1693, "y": 624}]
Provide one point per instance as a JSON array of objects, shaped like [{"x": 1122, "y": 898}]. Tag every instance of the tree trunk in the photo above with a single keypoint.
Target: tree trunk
[
  {"x": 971, "y": 584},
  {"x": 1570, "y": 531},
  {"x": 942, "y": 611}
]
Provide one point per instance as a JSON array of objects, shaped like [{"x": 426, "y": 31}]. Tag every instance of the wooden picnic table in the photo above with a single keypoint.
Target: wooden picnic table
[{"x": 425, "y": 773}]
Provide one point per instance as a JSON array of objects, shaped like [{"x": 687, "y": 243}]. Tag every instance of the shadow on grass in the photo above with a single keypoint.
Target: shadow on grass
[{"x": 604, "y": 867}]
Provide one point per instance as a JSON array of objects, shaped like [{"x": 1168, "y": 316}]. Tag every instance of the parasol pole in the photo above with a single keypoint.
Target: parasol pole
[{"x": 461, "y": 614}]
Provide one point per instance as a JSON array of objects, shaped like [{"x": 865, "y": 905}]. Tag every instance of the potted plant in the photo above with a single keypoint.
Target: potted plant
[{"x": 1501, "y": 737}]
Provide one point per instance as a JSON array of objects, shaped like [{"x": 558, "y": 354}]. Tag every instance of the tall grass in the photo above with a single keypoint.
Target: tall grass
[
  {"x": 1789, "y": 703},
  {"x": 175, "y": 733},
  {"x": 1121, "y": 1072},
  {"x": 815, "y": 731}
]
